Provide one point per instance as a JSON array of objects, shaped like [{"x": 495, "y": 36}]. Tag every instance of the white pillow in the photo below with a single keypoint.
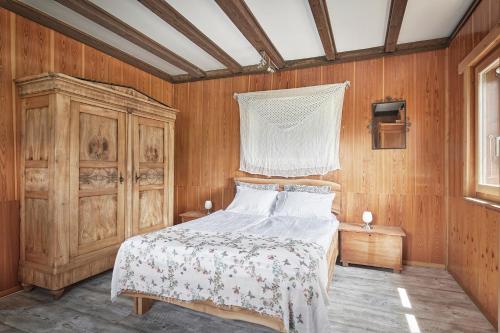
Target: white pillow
[
  {"x": 304, "y": 204},
  {"x": 254, "y": 202}
]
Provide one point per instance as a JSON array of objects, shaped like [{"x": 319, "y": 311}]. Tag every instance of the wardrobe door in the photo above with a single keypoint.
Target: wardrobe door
[
  {"x": 97, "y": 170},
  {"x": 152, "y": 160}
]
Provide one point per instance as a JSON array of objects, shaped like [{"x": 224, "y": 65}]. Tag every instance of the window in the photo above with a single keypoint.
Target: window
[
  {"x": 481, "y": 74},
  {"x": 488, "y": 126}
]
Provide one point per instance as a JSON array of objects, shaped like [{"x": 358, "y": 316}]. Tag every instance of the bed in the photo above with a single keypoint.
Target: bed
[{"x": 233, "y": 236}]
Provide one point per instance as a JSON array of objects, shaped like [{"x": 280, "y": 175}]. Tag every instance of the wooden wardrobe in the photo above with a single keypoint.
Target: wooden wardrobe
[{"x": 96, "y": 168}]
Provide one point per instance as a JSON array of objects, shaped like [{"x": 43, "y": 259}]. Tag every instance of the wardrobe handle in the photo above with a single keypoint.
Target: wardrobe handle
[
  {"x": 121, "y": 179},
  {"x": 137, "y": 177}
]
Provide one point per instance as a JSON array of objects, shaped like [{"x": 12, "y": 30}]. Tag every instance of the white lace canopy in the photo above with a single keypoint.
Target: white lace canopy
[{"x": 291, "y": 132}]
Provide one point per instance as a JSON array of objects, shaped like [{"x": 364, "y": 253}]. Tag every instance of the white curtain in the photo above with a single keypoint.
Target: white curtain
[{"x": 291, "y": 132}]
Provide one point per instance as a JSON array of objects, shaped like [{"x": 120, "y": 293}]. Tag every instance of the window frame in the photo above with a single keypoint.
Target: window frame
[
  {"x": 483, "y": 191},
  {"x": 483, "y": 51}
]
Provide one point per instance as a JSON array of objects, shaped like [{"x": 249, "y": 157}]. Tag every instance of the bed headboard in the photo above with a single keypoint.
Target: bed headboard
[{"x": 335, "y": 187}]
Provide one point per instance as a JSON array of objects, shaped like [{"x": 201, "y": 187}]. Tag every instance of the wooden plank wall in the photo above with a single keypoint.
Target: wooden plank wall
[
  {"x": 27, "y": 48},
  {"x": 402, "y": 187},
  {"x": 472, "y": 229}
]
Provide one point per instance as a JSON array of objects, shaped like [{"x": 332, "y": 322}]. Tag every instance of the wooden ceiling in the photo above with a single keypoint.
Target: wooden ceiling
[{"x": 187, "y": 40}]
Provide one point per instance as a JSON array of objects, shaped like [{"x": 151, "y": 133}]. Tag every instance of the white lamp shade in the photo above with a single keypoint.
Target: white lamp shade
[
  {"x": 367, "y": 217},
  {"x": 208, "y": 204}
]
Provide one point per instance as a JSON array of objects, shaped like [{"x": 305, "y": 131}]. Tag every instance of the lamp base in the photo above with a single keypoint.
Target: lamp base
[{"x": 367, "y": 226}]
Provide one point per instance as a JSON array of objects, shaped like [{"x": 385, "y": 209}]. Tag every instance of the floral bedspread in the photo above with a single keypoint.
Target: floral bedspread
[{"x": 285, "y": 278}]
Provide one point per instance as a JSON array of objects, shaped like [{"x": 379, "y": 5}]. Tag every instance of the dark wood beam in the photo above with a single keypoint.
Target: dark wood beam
[
  {"x": 421, "y": 46},
  {"x": 239, "y": 13},
  {"x": 396, "y": 15},
  {"x": 349, "y": 56},
  {"x": 168, "y": 14},
  {"x": 43, "y": 19},
  {"x": 464, "y": 19},
  {"x": 108, "y": 21},
  {"x": 319, "y": 10}
]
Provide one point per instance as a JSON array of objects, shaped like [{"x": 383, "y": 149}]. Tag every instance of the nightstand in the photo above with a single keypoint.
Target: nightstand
[
  {"x": 382, "y": 246},
  {"x": 192, "y": 215}
]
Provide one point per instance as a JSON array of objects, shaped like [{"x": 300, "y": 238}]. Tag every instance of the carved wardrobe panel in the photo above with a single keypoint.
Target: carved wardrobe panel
[
  {"x": 97, "y": 168},
  {"x": 152, "y": 152}
]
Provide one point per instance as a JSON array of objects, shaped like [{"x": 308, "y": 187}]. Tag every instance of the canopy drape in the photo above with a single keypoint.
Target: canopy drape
[{"x": 291, "y": 132}]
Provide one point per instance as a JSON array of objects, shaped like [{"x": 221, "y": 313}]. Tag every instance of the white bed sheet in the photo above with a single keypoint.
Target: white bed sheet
[{"x": 319, "y": 231}]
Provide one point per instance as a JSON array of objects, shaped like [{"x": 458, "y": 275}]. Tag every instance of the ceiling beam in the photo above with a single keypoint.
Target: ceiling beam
[
  {"x": 108, "y": 21},
  {"x": 47, "y": 21},
  {"x": 464, "y": 19},
  {"x": 396, "y": 15},
  {"x": 171, "y": 16},
  {"x": 239, "y": 13},
  {"x": 348, "y": 56},
  {"x": 319, "y": 10}
]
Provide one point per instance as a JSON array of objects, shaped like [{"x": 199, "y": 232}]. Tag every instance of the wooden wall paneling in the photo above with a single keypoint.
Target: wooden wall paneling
[
  {"x": 9, "y": 204},
  {"x": 455, "y": 121},
  {"x": 168, "y": 91},
  {"x": 221, "y": 173},
  {"x": 182, "y": 100},
  {"x": 259, "y": 82},
  {"x": 398, "y": 84},
  {"x": 68, "y": 55},
  {"x": 226, "y": 122},
  {"x": 335, "y": 74},
  {"x": 156, "y": 88},
  {"x": 420, "y": 242},
  {"x": 32, "y": 48},
  {"x": 96, "y": 65},
  {"x": 430, "y": 105},
  {"x": 115, "y": 68},
  {"x": 9, "y": 246},
  {"x": 390, "y": 196},
  {"x": 182, "y": 123},
  {"x": 180, "y": 202},
  {"x": 472, "y": 229},
  {"x": 130, "y": 76},
  {"x": 194, "y": 138},
  {"x": 7, "y": 152},
  {"x": 194, "y": 142},
  {"x": 143, "y": 82},
  {"x": 486, "y": 258},
  {"x": 429, "y": 159},
  {"x": 308, "y": 77},
  {"x": 240, "y": 85},
  {"x": 32, "y": 56},
  {"x": 285, "y": 80},
  {"x": 209, "y": 144},
  {"x": 369, "y": 88},
  {"x": 494, "y": 12},
  {"x": 480, "y": 21}
]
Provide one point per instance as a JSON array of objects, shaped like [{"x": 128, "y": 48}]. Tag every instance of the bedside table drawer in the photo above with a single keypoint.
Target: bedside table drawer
[
  {"x": 371, "y": 249},
  {"x": 192, "y": 215}
]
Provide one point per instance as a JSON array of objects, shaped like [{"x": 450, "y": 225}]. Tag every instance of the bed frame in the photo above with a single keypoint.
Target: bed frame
[{"x": 144, "y": 302}]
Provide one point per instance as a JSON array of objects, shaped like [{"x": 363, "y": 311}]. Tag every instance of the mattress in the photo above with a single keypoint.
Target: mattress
[{"x": 319, "y": 231}]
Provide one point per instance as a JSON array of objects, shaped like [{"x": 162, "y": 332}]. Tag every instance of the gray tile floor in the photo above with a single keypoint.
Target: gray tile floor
[{"x": 362, "y": 300}]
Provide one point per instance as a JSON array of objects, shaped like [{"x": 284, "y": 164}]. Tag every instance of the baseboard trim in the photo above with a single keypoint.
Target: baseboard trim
[
  {"x": 10, "y": 291},
  {"x": 423, "y": 264}
]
